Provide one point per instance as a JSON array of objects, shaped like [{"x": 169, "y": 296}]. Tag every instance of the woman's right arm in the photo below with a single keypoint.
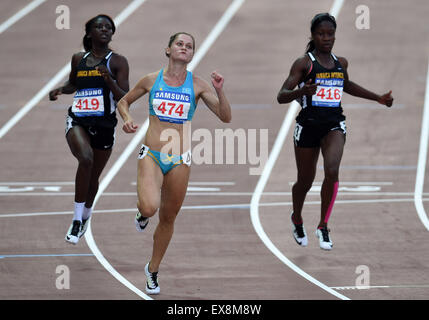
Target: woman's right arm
[
  {"x": 297, "y": 72},
  {"x": 140, "y": 89},
  {"x": 70, "y": 85}
]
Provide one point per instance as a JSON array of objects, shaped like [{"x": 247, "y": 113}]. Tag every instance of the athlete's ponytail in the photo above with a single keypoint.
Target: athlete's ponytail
[
  {"x": 318, "y": 19},
  {"x": 310, "y": 46},
  {"x": 87, "y": 42}
]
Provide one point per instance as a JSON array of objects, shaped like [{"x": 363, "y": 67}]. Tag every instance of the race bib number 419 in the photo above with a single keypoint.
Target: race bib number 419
[
  {"x": 88, "y": 102},
  {"x": 171, "y": 106},
  {"x": 329, "y": 92}
]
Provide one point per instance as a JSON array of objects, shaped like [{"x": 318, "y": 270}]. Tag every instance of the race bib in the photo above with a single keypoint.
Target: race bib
[
  {"x": 329, "y": 92},
  {"x": 88, "y": 102},
  {"x": 171, "y": 106}
]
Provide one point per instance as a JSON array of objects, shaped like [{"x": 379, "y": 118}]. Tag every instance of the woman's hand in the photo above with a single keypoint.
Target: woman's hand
[
  {"x": 53, "y": 94},
  {"x": 129, "y": 126},
  {"x": 386, "y": 99},
  {"x": 309, "y": 89},
  {"x": 217, "y": 80},
  {"x": 104, "y": 72}
]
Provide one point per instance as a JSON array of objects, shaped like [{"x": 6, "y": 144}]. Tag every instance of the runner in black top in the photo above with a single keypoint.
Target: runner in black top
[
  {"x": 100, "y": 78},
  {"x": 321, "y": 78}
]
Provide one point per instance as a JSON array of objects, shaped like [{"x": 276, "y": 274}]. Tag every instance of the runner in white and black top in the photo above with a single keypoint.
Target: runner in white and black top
[
  {"x": 100, "y": 78},
  {"x": 321, "y": 78}
]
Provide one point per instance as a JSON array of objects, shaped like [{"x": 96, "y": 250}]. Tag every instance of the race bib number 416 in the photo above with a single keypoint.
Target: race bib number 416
[
  {"x": 171, "y": 106},
  {"x": 88, "y": 102},
  {"x": 329, "y": 93}
]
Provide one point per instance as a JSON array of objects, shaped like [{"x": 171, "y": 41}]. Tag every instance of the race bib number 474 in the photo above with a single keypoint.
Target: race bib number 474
[
  {"x": 329, "y": 93},
  {"x": 88, "y": 102},
  {"x": 171, "y": 106}
]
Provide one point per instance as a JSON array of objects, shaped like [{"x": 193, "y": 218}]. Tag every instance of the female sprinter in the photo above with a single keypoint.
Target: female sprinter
[
  {"x": 321, "y": 78},
  {"x": 100, "y": 78},
  {"x": 164, "y": 166}
]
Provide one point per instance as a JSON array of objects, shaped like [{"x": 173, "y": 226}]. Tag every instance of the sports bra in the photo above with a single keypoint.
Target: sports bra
[{"x": 172, "y": 104}]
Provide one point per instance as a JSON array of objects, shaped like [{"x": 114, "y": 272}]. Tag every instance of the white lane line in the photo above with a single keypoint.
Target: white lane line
[
  {"x": 20, "y": 14},
  {"x": 405, "y": 286},
  {"x": 206, "y": 207},
  {"x": 71, "y": 183},
  {"x": 254, "y": 205},
  {"x": 61, "y": 183},
  {"x": 421, "y": 164},
  {"x": 289, "y": 203},
  {"x": 103, "y": 185},
  {"x": 220, "y": 26},
  {"x": 36, "y": 99},
  {"x": 216, "y": 31},
  {"x": 59, "y": 76},
  {"x": 208, "y": 193},
  {"x": 202, "y": 189},
  {"x": 381, "y": 167},
  {"x": 336, "y": 8},
  {"x": 353, "y": 183},
  {"x": 46, "y": 255}
]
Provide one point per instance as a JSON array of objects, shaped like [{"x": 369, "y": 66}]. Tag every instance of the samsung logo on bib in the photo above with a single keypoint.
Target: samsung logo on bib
[{"x": 183, "y": 97}]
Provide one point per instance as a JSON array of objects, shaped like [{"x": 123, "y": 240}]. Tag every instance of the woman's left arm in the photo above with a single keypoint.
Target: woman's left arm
[
  {"x": 217, "y": 103},
  {"x": 356, "y": 90},
  {"x": 119, "y": 66}
]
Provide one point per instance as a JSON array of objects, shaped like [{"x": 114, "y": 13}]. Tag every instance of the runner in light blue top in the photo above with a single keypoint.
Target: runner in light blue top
[
  {"x": 172, "y": 104},
  {"x": 164, "y": 158}
]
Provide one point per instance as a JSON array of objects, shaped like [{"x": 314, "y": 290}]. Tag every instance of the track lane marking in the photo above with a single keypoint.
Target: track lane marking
[
  {"x": 208, "y": 193},
  {"x": 207, "y": 207},
  {"x": 421, "y": 164},
  {"x": 405, "y": 286},
  {"x": 20, "y": 14},
  {"x": 4, "y": 256}
]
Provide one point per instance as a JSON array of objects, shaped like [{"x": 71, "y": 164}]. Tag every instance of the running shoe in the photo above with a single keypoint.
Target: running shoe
[
  {"x": 299, "y": 233},
  {"x": 83, "y": 227},
  {"x": 152, "y": 286},
  {"x": 141, "y": 222},
  {"x": 324, "y": 239},
  {"x": 72, "y": 235}
]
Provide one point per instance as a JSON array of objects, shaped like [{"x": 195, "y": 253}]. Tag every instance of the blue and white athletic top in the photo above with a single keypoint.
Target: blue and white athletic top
[
  {"x": 172, "y": 104},
  {"x": 93, "y": 103}
]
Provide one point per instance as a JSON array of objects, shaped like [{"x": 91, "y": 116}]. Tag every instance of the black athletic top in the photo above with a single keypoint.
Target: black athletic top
[
  {"x": 93, "y": 103},
  {"x": 325, "y": 105}
]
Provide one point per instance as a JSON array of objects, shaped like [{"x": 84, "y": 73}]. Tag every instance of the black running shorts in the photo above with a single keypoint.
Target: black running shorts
[
  {"x": 310, "y": 135},
  {"x": 100, "y": 137}
]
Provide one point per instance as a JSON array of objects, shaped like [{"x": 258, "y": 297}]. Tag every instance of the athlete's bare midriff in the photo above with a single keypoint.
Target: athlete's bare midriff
[{"x": 167, "y": 137}]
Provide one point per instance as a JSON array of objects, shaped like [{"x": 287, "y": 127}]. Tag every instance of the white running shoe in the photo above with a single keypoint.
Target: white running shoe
[
  {"x": 152, "y": 286},
  {"x": 299, "y": 233},
  {"x": 141, "y": 222},
  {"x": 72, "y": 235},
  {"x": 324, "y": 239}
]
